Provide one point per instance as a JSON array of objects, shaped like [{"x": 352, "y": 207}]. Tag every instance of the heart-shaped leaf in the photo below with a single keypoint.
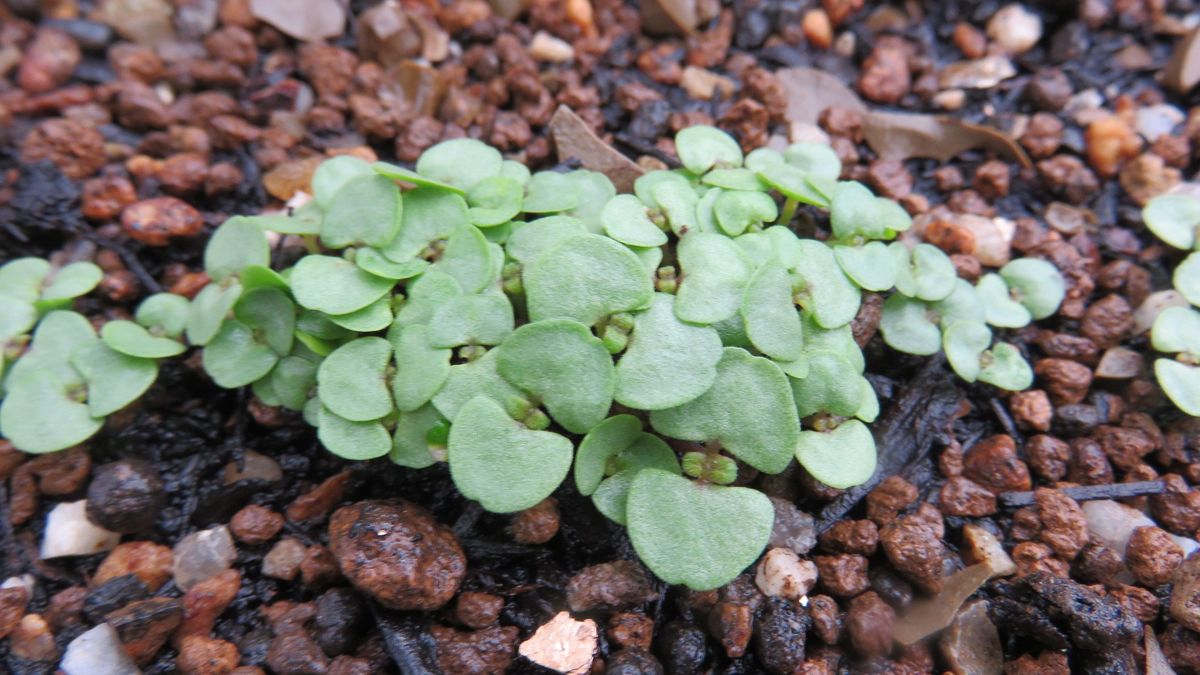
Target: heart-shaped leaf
[
  {"x": 599, "y": 446},
  {"x": 352, "y": 381},
  {"x": 39, "y": 415},
  {"x": 1186, "y": 278},
  {"x": 164, "y": 313},
  {"x": 209, "y": 309},
  {"x": 494, "y": 200},
  {"x": 651, "y": 257},
  {"x": 667, "y": 362},
  {"x": 739, "y": 210},
  {"x": 485, "y": 319},
  {"x": 585, "y": 278},
  {"x": 1000, "y": 309},
  {"x": 1036, "y": 284},
  {"x": 235, "y": 359},
  {"x": 303, "y": 221},
  {"x": 963, "y": 304},
  {"x": 334, "y": 173},
  {"x": 1004, "y": 367},
  {"x": 841, "y": 458},
  {"x": 561, "y": 363},
  {"x": 350, "y": 439},
  {"x": 16, "y": 318},
  {"x": 964, "y": 343},
  {"x": 772, "y": 320},
  {"x": 595, "y": 189},
  {"x": 762, "y": 157},
  {"x": 925, "y": 273},
  {"x": 715, "y": 274},
  {"x": 374, "y": 317},
  {"x": 814, "y": 159},
  {"x": 870, "y": 266},
  {"x": 823, "y": 289},
  {"x": 733, "y": 179},
  {"x": 706, "y": 219},
  {"x": 238, "y": 243},
  {"x": 421, "y": 370},
  {"x": 114, "y": 380},
  {"x": 1173, "y": 218},
  {"x": 257, "y": 276},
  {"x": 516, "y": 171},
  {"x": 22, "y": 278},
  {"x": 852, "y": 212},
  {"x": 1180, "y": 382},
  {"x": 793, "y": 183},
  {"x": 647, "y": 451},
  {"x": 677, "y": 200},
  {"x": 320, "y": 326},
  {"x": 625, "y": 220},
  {"x": 869, "y": 409},
  {"x": 701, "y": 536},
  {"x": 701, "y": 148},
  {"x": 906, "y": 326},
  {"x": 1176, "y": 330},
  {"x": 334, "y": 285},
  {"x": 72, "y": 281},
  {"x": 270, "y": 313},
  {"x": 374, "y": 262},
  {"x": 749, "y": 410},
  {"x": 461, "y": 162},
  {"x": 410, "y": 443},
  {"x": 550, "y": 192},
  {"x": 501, "y": 464},
  {"x": 471, "y": 379},
  {"x": 294, "y": 381},
  {"x": 647, "y": 183},
  {"x": 838, "y": 340},
  {"x": 365, "y": 211},
  {"x": 531, "y": 239},
  {"x": 468, "y": 259},
  {"x": 426, "y": 294},
  {"x": 393, "y": 172},
  {"x": 831, "y": 386},
  {"x": 56, "y": 338},
  {"x": 131, "y": 339},
  {"x": 428, "y": 215}
]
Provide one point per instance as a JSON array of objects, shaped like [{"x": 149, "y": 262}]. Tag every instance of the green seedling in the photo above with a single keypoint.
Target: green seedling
[{"x": 669, "y": 343}]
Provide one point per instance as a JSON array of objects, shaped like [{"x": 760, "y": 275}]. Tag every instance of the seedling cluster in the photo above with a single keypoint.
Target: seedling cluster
[
  {"x": 515, "y": 325},
  {"x": 1174, "y": 218}
]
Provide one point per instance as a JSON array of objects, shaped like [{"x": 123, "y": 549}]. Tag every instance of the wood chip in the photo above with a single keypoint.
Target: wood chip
[
  {"x": 929, "y": 615},
  {"x": 1084, "y": 493},
  {"x": 903, "y": 135},
  {"x": 563, "y": 644},
  {"x": 575, "y": 140},
  {"x": 1182, "y": 72},
  {"x": 811, "y": 91}
]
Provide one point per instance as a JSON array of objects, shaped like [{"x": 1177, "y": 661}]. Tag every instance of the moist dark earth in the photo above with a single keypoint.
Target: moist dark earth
[{"x": 185, "y": 112}]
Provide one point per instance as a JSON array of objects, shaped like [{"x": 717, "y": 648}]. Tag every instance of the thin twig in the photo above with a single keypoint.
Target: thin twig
[{"x": 1089, "y": 492}]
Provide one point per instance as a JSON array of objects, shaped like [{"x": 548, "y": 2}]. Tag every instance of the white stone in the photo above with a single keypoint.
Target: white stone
[
  {"x": 782, "y": 573},
  {"x": 25, "y": 581},
  {"x": 1015, "y": 29},
  {"x": 983, "y": 73},
  {"x": 307, "y": 20},
  {"x": 563, "y": 644},
  {"x": 546, "y": 47},
  {"x": 704, "y": 84},
  {"x": 284, "y": 558},
  {"x": 982, "y": 547},
  {"x": 1119, "y": 363},
  {"x": 203, "y": 555},
  {"x": 1158, "y": 120},
  {"x": 98, "y": 652},
  {"x": 1113, "y": 523},
  {"x": 69, "y": 532}
]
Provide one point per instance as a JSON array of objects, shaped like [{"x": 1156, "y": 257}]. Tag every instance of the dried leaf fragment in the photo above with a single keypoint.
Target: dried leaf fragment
[
  {"x": 927, "y": 616},
  {"x": 903, "y": 135},
  {"x": 574, "y": 138},
  {"x": 1182, "y": 72},
  {"x": 811, "y": 91},
  {"x": 563, "y": 644}
]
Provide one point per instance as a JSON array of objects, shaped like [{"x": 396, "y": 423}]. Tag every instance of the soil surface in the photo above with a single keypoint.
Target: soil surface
[{"x": 130, "y": 129}]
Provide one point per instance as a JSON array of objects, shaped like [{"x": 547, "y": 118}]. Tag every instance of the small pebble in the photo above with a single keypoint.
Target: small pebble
[
  {"x": 98, "y": 652},
  {"x": 608, "y": 586},
  {"x": 202, "y": 555},
  {"x": 1015, "y": 28},
  {"x": 144, "y": 626},
  {"x": 255, "y": 524},
  {"x": 125, "y": 496},
  {"x": 284, "y": 559},
  {"x": 156, "y": 221},
  {"x": 781, "y": 573},
  {"x": 546, "y": 47},
  {"x": 972, "y": 644},
  {"x": 69, "y": 533},
  {"x": 563, "y": 645},
  {"x": 536, "y": 525},
  {"x": 152, "y": 563}
]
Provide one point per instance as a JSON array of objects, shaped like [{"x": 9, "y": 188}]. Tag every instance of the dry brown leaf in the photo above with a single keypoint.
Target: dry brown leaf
[
  {"x": 903, "y": 135},
  {"x": 1182, "y": 72},
  {"x": 811, "y": 91},
  {"x": 927, "y": 616},
  {"x": 575, "y": 139}
]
